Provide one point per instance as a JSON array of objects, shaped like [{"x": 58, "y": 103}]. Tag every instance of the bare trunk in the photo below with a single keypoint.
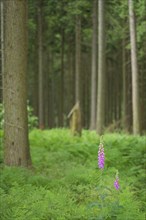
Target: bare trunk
[
  {"x": 52, "y": 100},
  {"x": 93, "y": 69},
  {"x": 35, "y": 77},
  {"x": 61, "y": 107},
  {"x": 71, "y": 75},
  {"x": 134, "y": 65},
  {"x": 15, "y": 89},
  {"x": 78, "y": 58},
  {"x": 101, "y": 68},
  {"x": 46, "y": 63},
  {"x": 125, "y": 85},
  {"x": 40, "y": 67}
]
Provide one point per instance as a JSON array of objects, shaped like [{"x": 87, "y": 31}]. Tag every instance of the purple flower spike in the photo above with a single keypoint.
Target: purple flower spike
[
  {"x": 116, "y": 183},
  {"x": 101, "y": 156}
]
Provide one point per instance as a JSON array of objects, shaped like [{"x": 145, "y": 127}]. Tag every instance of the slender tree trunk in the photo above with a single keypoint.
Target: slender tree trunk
[
  {"x": 78, "y": 58},
  {"x": 40, "y": 67},
  {"x": 134, "y": 65},
  {"x": 116, "y": 87},
  {"x": 52, "y": 100},
  {"x": 61, "y": 95},
  {"x": 85, "y": 93},
  {"x": 119, "y": 88},
  {"x": 71, "y": 74},
  {"x": 110, "y": 92},
  {"x": 125, "y": 85},
  {"x": 15, "y": 92},
  {"x": 129, "y": 92},
  {"x": 101, "y": 67},
  {"x": 107, "y": 102},
  {"x": 46, "y": 63},
  {"x": 35, "y": 75},
  {"x": 35, "y": 87},
  {"x": 2, "y": 48},
  {"x": 93, "y": 69}
]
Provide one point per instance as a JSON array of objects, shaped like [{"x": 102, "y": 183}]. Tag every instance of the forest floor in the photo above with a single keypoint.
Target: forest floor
[{"x": 66, "y": 183}]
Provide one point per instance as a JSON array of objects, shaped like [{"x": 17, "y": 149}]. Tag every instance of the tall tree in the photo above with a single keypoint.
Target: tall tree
[
  {"x": 93, "y": 68},
  {"x": 78, "y": 58},
  {"x": 134, "y": 66},
  {"x": 15, "y": 91},
  {"x": 40, "y": 66},
  {"x": 61, "y": 111},
  {"x": 101, "y": 67},
  {"x": 125, "y": 97}
]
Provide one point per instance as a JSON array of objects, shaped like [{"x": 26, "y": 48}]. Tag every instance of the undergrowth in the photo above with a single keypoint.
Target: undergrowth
[{"x": 65, "y": 182}]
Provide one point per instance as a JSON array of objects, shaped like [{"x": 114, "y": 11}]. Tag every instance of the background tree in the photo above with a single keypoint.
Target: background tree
[
  {"x": 59, "y": 62},
  {"x": 78, "y": 58},
  {"x": 93, "y": 68},
  {"x": 101, "y": 67},
  {"x": 40, "y": 64},
  {"x": 15, "y": 91},
  {"x": 134, "y": 66}
]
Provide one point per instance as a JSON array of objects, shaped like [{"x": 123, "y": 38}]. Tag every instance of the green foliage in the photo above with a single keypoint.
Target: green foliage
[
  {"x": 66, "y": 183},
  {"x": 32, "y": 120}
]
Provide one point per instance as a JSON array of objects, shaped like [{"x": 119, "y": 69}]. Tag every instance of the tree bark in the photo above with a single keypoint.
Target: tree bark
[
  {"x": 93, "y": 69},
  {"x": 40, "y": 67},
  {"x": 78, "y": 58},
  {"x": 16, "y": 152},
  {"x": 46, "y": 63},
  {"x": 125, "y": 90},
  {"x": 61, "y": 107},
  {"x": 101, "y": 67},
  {"x": 134, "y": 66},
  {"x": 52, "y": 97}
]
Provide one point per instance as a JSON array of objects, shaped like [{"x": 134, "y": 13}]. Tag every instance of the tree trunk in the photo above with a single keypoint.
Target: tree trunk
[
  {"x": 134, "y": 66},
  {"x": 70, "y": 85},
  {"x": 129, "y": 92},
  {"x": 125, "y": 85},
  {"x": 101, "y": 68},
  {"x": 1, "y": 48},
  {"x": 46, "y": 63},
  {"x": 93, "y": 69},
  {"x": 16, "y": 143},
  {"x": 35, "y": 75},
  {"x": 78, "y": 58},
  {"x": 40, "y": 67},
  {"x": 61, "y": 95},
  {"x": 52, "y": 99}
]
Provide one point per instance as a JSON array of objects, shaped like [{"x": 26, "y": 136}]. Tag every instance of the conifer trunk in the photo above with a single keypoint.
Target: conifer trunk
[
  {"x": 40, "y": 67},
  {"x": 78, "y": 58},
  {"x": 16, "y": 152},
  {"x": 134, "y": 66},
  {"x": 61, "y": 99},
  {"x": 93, "y": 69},
  {"x": 101, "y": 67}
]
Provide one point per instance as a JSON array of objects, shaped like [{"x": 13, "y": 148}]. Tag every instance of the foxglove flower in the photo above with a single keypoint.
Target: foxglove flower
[
  {"x": 116, "y": 182},
  {"x": 101, "y": 156}
]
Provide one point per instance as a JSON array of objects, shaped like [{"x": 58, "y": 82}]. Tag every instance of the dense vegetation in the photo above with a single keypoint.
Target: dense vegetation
[
  {"x": 65, "y": 182},
  {"x": 86, "y": 54}
]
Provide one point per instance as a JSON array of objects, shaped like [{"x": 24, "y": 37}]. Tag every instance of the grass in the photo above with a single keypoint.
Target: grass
[{"x": 67, "y": 184}]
